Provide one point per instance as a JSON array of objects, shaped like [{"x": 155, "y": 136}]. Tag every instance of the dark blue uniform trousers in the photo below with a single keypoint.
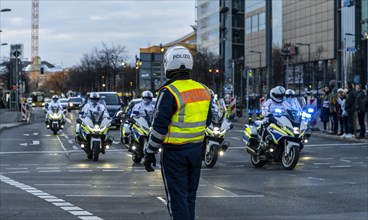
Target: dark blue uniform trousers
[{"x": 181, "y": 170}]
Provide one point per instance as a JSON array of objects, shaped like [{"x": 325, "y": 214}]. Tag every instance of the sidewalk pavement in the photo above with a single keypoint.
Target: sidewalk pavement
[
  {"x": 9, "y": 119},
  {"x": 316, "y": 130}
]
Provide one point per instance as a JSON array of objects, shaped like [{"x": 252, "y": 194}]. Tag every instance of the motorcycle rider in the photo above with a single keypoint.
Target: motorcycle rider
[
  {"x": 93, "y": 105},
  {"x": 181, "y": 115},
  {"x": 145, "y": 104},
  {"x": 55, "y": 103},
  {"x": 276, "y": 101},
  {"x": 293, "y": 101}
]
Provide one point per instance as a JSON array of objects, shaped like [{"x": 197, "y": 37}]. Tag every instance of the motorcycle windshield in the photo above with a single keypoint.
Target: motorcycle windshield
[
  {"x": 96, "y": 116},
  {"x": 54, "y": 109}
]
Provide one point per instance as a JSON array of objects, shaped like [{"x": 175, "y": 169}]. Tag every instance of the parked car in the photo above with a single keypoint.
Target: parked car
[
  {"x": 74, "y": 103},
  {"x": 113, "y": 104}
]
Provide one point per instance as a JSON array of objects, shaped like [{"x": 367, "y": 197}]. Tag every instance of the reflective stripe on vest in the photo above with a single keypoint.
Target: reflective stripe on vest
[{"x": 189, "y": 121}]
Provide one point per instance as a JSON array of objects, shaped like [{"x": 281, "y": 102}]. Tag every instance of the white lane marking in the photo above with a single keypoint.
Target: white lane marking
[
  {"x": 76, "y": 171},
  {"x": 341, "y": 166},
  {"x": 75, "y": 147},
  {"x": 227, "y": 191},
  {"x": 66, "y": 136},
  {"x": 162, "y": 200},
  {"x": 60, "y": 184},
  {"x": 89, "y": 218},
  {"x": 31, "y": 152},
  {"x": 347, "y": 161},
  {"x": 102, "y": 196},
  {"x": 116, "y": 142},
  {"x": 113, "y": 170},
  {"x": 19, "y": 172},
  {"x": 314, "y": 178},
  {"x": 233, "y": 196},
  {"x": 74, "y": 210},
  {"x": 35, "y": 143},
  {"x": 14, "y": 168},
  {"x": 47, "y": 168},
  {"x": 62, "y": 145},
  {"x": 235, "y": 138},
  {"x": 24, "y": 144},
  {"x": 70, "y": 141},
  {"x": 322, "y": 163},
  {"x": 49, "y": 171},
  {"x": 68, "y": 120},
  {"x": 336, "y": 145}
]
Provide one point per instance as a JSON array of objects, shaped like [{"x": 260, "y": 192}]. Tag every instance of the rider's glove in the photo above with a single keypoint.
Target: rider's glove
[{"x": 149, "y": 160}]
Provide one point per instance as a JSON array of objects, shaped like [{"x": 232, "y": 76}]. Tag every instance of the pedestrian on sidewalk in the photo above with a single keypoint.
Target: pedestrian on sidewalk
[
  {"x": 350, "y": 107},
  {"x": 361, "y": 109},
  {"x": 333, "y": 110},
  {"x": 325, "y": 110},
  {"x": 342, "y": 114}
]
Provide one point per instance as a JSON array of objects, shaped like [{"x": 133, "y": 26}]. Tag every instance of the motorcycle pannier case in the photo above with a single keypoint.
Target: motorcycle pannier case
[{"x": 249, "y": 134}]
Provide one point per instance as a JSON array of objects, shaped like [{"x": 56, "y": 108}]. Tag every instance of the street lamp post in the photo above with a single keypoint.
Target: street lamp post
[
  {"x": 162, "y": 50},
  {"x": 260, "y": 71},
  {"x": 345, "y": 61},
  {"x": 309, "y": 66},
  {"x": 138, "y": 63}
]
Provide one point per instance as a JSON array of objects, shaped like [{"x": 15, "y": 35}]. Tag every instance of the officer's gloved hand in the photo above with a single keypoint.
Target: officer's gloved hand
[{"x": 149, "y": 160}]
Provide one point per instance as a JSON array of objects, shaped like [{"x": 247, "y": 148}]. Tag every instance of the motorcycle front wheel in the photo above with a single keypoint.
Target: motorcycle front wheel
[
  {"x": 256, "y": 161},
  {"x": 95, "y": 151},
  {"x": 210, "y": 158},
  {"x": 290, "y": 160}
]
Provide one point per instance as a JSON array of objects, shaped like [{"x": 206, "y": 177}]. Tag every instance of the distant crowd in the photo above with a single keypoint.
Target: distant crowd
[{"x": 343, "y": 111}]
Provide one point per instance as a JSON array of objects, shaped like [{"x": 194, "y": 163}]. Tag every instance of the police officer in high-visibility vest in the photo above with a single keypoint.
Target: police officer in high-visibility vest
[{"x": 181, "y": 115}]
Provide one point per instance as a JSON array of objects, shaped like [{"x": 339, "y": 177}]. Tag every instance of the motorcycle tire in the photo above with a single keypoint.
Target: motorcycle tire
[
  {"x": 136, "y": 158},
  {"x": 256, "y": 161},
  {"x": 55, "y": 132},
  {"x": 290, "y": 161},
  {"x": 210, "y": 158},
  {"x": 95, "y": 151}
]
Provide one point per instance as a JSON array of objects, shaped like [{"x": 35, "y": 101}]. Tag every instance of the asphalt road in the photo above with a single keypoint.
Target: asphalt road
[{"x": 46, "y": 176}]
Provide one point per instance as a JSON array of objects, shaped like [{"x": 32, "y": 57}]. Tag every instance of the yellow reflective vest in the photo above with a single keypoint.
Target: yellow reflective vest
[{"x": 189, "y": 121}]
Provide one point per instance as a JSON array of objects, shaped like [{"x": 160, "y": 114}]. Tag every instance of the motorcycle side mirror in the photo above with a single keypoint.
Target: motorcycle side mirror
[{"x": 79, "y": 121}]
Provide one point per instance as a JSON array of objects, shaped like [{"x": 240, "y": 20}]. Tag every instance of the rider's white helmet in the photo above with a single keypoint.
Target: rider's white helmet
[
  {"x": 177, "y": 59},
  {"x": 289, "y": 93},
  {"x": 277, "y": 94},
  {"x": 147, "y": 97},
  {"x": 94, "y": 97},
  {"x": 55, "y": 98}
]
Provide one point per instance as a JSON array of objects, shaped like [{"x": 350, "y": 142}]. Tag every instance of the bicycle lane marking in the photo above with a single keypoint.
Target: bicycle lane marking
[{"x": 72, "y": 209}]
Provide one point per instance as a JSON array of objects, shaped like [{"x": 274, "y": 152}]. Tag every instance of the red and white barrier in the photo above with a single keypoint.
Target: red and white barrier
[{"x": 24, "y": 113}]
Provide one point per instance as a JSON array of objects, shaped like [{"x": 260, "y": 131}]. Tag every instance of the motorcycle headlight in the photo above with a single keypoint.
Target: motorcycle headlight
[
  {"x": 216, "y": 130},
  {"x": 296, "y": 130}
]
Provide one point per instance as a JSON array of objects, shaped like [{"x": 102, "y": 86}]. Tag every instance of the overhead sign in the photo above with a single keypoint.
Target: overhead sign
[{"x": 352, "y": 49}]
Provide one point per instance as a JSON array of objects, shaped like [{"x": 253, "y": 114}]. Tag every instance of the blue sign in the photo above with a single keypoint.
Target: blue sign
[
  {"x": 352, "y": 49},
  {"x": 348, "y": 3}
]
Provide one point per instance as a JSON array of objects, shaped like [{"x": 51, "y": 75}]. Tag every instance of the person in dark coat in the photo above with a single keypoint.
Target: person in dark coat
[
  {"x": 325, "y": 110},
  {"x": 350, "y": 107},
  {"x": 360, "y": 109}
]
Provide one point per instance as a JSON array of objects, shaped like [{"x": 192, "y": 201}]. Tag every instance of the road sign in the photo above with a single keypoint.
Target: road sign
[
  {"x": 352, "y": 49},
  {"x": 16, "y": 53}
]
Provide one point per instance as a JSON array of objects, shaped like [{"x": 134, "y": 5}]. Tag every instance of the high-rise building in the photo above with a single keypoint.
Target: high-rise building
[{"x": 220, "y": 30}]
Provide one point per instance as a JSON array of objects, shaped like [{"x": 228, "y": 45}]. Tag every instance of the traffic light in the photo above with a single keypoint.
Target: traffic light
[
  {"x": 217, "y": 72},
  {"x": 131, "y": 84}
]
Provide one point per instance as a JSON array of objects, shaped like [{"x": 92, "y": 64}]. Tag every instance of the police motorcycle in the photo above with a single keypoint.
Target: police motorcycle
[
  {"x": 93, "y": 133},
  {"x": 54, "y": 118},
  {"x": 213, "y": 142},
  {"x": 134, "y": 135},
  {"x": 280, "y": 139}
]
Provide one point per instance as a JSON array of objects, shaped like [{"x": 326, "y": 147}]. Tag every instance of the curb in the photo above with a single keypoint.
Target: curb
[{"x": 11, "y": 125}]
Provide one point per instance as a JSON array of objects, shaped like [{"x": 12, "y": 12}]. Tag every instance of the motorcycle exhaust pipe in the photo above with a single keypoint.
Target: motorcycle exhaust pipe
[{"x": 251, "y": 151}]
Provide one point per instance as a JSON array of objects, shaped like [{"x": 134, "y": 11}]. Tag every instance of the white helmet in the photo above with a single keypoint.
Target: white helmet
[
  {"x": 289, "y": 93},
  {"x": 147, "y": 97},
  {"x": 94, "y": 97},
  {"x": 55, "y": 98},
  {"x": 277, "y": 94},
  {"x": 177, "y": 59}
]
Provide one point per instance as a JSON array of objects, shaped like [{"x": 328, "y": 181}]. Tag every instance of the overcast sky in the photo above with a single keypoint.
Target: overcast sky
[{"x": 70, "y": 28}]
